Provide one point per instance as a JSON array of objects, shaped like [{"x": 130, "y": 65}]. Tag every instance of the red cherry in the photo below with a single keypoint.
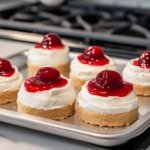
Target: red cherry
[
  {"x": 93, "y": 52},
  {"x": 5, "y": 66},
  {"x": 144, "y": 59},
  {"x": 51, "y": 40},
  {"x": 46, "y": 78},
  {"x": 46, "y": 75},
  {"x": 108, "y": 79}
]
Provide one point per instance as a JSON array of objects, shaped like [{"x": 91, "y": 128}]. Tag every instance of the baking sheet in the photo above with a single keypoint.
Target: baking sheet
[{"x": 73, "y": 127}]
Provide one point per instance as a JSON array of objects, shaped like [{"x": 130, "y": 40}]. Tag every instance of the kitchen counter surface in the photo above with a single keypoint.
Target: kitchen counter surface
[{"x": 9, "y": 48}]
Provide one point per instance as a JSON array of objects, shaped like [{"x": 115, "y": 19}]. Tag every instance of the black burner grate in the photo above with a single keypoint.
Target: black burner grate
[
  {"x": 123, "y": 33},
  {"x": 88, "y": 19}
]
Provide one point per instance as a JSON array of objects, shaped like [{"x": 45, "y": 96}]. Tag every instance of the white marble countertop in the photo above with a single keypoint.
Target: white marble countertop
[{"x": 9, "y": 48}]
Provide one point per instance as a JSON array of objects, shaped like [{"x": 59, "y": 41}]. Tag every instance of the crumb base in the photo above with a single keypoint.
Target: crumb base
[
  {"x": 63, "y": 69},
  {"x": 77, "y": 83},
  {"x": 116, "y": 120},
  {"x": 55, "y": 114},
  {"x": 8, "y": 97},
  {"x": 141, "y": 90}
]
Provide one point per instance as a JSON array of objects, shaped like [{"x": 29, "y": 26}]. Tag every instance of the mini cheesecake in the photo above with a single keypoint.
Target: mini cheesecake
[
  {"x": 87, "y": 65},
  {"x": 51, "y": 52},
  {"x": 107, "y": 100},
  {"x": 10, "y": 82},
  {"x": 137, "y": 71},
  {"x": 47, "y": 95}
]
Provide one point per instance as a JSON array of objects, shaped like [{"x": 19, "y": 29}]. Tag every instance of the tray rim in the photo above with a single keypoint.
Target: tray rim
[
  {"x": 49, "y": 126},
  {"x": 136, "y": 127}
]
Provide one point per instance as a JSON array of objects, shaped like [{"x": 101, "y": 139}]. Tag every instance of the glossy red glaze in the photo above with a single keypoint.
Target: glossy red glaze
[
  {"x": 93, "y": 56},
  {"x": 143, "y": 61},
  {"x": 45, "y": 79},
  {"x": 6, "y": 69},
  {"x": 109, "y": 79},
  {"x": 109, "y": 83},
  {"x": 47, "y": 74},
  {"x": 50, "y": 42}
]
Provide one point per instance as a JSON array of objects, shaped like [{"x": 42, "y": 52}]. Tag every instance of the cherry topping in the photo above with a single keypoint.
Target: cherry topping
[
  {"x": 5, "y": 68},
  {"x": 45, "y": 79},
  {"x": 93, "y": 56},
  {"x": 93, "y": 52},
  {"x": 109, "y": 83},
  {"x": 108, "y": 79},
  {"x": 144, "y": 59},
  {"x": 50, "y": 41},
  {"x": 46, "y": 75}
]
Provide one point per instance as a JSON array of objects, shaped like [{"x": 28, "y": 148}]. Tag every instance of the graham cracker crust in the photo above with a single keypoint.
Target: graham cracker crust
[
  {"x": 77, "y": 83},
  {"x": 109, "y": 120},
  {"x": 55, "y": 114},
  {"x": 141, "y": 90},
  {"x": 8, "y": 97},
  {"x": 64, "y": 69}
]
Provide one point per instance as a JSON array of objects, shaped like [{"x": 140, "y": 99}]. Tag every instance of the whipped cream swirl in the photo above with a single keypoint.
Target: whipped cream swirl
[
  {"x": 87, "y": 72},
  {"x": 135, "y": 74},
  {"x": 106, "y": 105},
  {"x": 11, "y": 83},
  {"x": 48, "y": 99},
  {"x": 41, "y": 57}
]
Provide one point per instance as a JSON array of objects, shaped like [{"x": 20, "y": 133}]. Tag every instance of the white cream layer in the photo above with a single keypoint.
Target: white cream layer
[
  {"x": 136, "y": 75},
  {"x": 11, "y": 83},
  {"x": 106, "y": 105},
  {"x": 49, "y": 99},
  {"x": 87, "y": 72},
  {"x": 41, "y": 57}
]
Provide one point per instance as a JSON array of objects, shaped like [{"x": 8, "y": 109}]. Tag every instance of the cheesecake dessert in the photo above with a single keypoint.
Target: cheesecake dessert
[
  {"x": 51, "y": 52},
  {"x": 107, "y": 100},
  {"x": 137, "y": 71},
  {"x": 87, "y": 65},
  {"x": 10, "y": 82},
  {"x": 48, "y": 95}
]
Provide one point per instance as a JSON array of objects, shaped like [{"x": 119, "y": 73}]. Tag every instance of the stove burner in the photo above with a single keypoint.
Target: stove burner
[
  {"x": 88, "y": 19},
  {"x": 122, "y": 33}
]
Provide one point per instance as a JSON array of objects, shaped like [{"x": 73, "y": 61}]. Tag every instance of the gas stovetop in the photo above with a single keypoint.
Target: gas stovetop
[{"x": 123, "y": 33}]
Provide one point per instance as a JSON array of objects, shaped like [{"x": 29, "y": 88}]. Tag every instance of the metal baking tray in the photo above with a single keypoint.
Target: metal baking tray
[{"x": 73, "y": 127}]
